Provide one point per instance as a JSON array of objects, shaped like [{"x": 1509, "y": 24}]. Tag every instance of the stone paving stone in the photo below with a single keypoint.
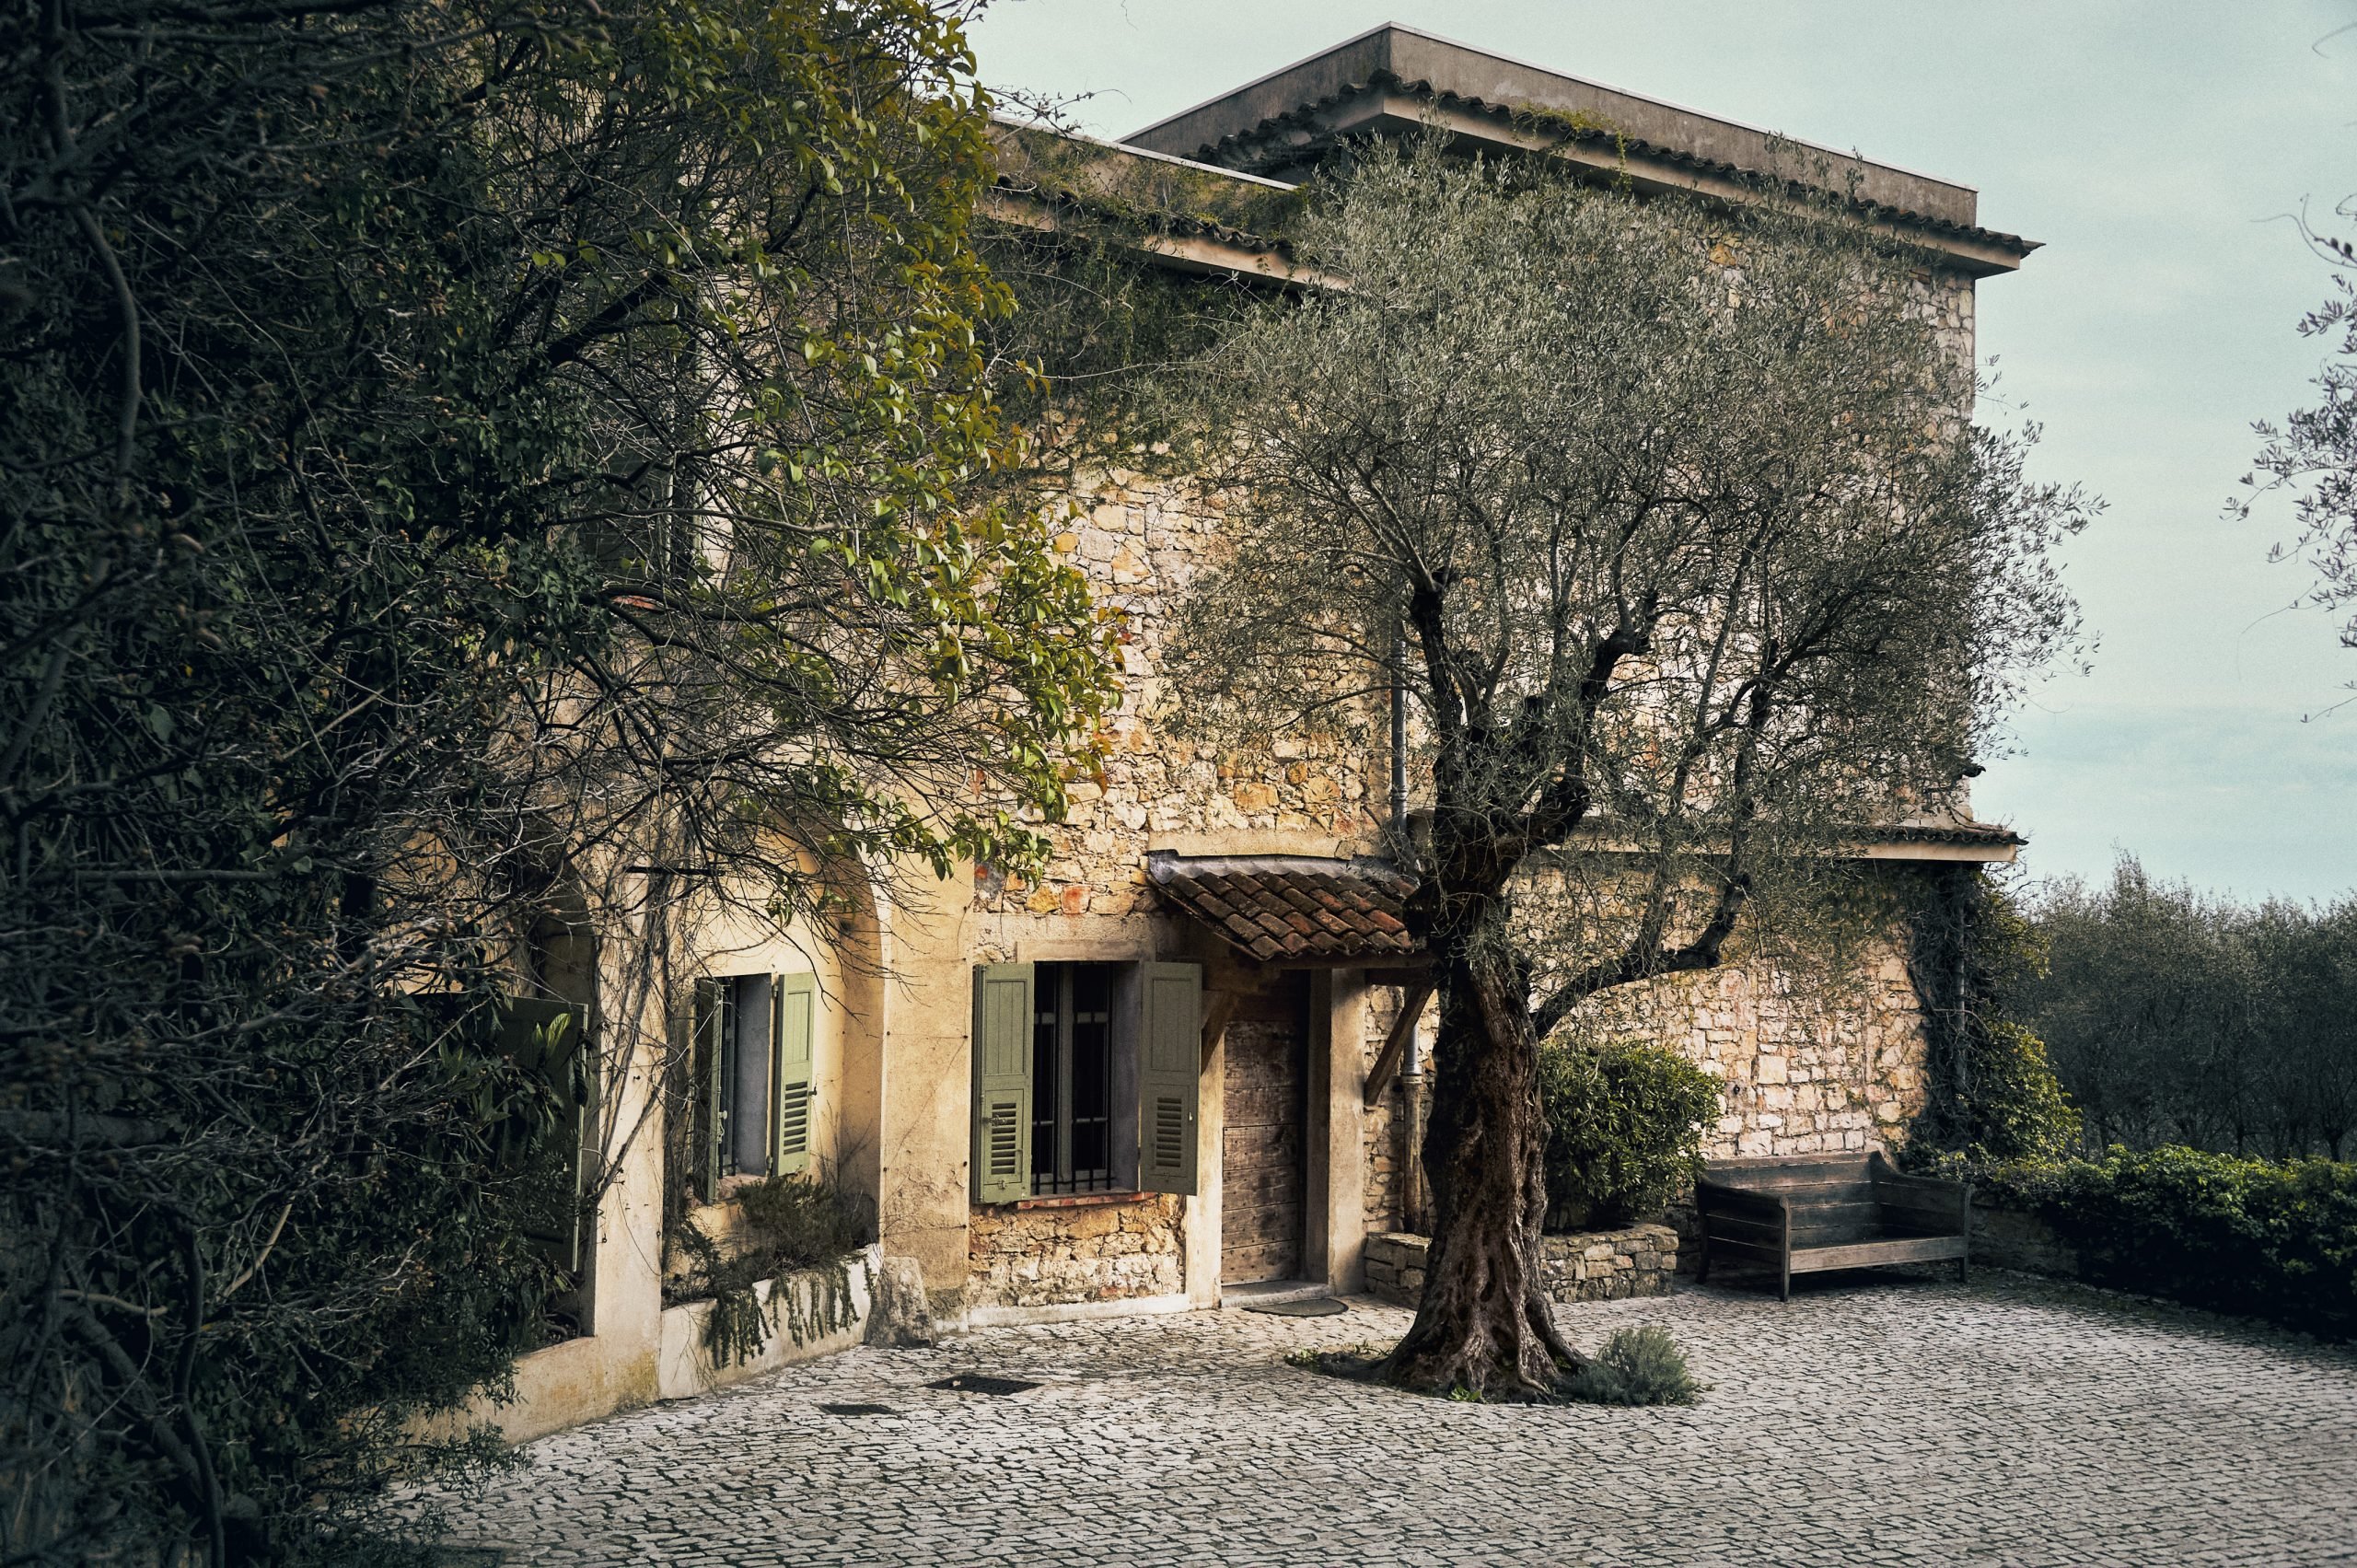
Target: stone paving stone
[{"x": 1872, "y": 1419}]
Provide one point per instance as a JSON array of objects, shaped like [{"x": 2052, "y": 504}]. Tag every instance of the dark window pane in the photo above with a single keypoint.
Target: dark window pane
[
  {"x": 1047, "y": 988},
  {"x": 1092, "y": 1077}
]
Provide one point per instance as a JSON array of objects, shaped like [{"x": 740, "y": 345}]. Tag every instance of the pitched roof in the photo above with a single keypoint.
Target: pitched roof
[{"x": 1277, "y": 907}]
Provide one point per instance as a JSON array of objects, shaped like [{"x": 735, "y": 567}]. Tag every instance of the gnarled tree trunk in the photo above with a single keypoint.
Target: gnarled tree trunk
[{"x": 1484, "y": 1323}]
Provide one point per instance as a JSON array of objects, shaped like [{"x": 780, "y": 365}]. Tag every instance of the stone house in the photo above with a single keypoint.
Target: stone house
[{"x": 1183, "y": 1062}]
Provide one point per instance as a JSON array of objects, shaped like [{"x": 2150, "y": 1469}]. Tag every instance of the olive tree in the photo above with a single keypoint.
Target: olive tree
[{"x": 1669, "y": 522}]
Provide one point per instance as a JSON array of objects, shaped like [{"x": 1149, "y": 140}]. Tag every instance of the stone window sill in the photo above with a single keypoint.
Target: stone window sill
[{"x": 1083, "y": 1201}]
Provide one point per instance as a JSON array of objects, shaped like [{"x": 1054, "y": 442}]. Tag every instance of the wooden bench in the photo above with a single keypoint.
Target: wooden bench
[{"x": 1805, "y": 1214}]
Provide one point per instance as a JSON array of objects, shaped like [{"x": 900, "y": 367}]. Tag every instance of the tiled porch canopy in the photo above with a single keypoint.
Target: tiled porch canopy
[{"x": 1303, "y": 909}]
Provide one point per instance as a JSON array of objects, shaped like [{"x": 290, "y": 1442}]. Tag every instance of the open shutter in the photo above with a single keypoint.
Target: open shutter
[
  {"x": 1170, "y": 1045},
  {"x": 712, "y": 1022},
  {"x": 545, "y": 1040},
  {"x": 795, "y": 999},
  {"x": 1002, "y": 1025}
]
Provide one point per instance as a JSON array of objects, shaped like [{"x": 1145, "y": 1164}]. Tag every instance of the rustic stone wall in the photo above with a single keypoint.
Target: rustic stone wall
[
  {"x": 1813, "y": 1068},
  {"x": 1057, "y": 1253},
  {"x": 1604, "y": 1265},
  {"x": 1141, "y": 541},
  {"x": 1385, "y": 1130},
  {"x": 2009, "y": 1239}
]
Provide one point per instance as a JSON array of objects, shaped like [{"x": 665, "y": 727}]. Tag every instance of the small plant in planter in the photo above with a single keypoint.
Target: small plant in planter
[{"x": 790, "y": 1223}]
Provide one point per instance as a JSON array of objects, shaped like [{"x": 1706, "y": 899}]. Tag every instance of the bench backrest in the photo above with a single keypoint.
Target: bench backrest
[{"x": 1773, "y": 1173}]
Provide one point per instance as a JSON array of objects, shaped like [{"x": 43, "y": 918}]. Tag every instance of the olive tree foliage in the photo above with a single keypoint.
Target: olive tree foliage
[
  {"x": 1669, "y": 522},
  {"x": 2312, "y": 456},
  {"x": 2177, "y": 1017},
  {"x": 475, "y": 479}
]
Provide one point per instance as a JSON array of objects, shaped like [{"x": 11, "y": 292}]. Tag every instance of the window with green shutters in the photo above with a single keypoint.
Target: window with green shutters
[
  {"x": 1087, "y": 1078},
  {"x": 755, "y": 1085}
]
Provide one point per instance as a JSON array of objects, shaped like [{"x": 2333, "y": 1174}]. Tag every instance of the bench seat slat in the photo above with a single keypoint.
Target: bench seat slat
[{"x": 1865, "y": 1254}]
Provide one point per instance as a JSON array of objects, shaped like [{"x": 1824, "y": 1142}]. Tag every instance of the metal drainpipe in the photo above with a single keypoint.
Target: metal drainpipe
[
  {"x": 1415, "y": 1204},
  {"x": 1398, "y": 737}
]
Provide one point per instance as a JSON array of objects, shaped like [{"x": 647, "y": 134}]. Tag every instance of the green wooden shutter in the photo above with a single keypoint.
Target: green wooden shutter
[
  {"x": 1170, "y": 1072},
  {"x": 795, "y": 998},
  {"x": 546, "y": 1039},
  {"x": 703, "y": 1149},
  {"x": 1002, "y": 1025}
]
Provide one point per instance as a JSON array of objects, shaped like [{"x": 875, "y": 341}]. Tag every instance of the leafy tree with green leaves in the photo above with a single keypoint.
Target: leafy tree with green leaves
[
  {"x": 2175, "y": 1017},
  {"x": 473, "y": 479},
  {"x": 1669, "y": 523}
]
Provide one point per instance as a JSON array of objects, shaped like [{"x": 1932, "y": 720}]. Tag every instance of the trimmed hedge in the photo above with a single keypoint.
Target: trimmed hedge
[
  {"x": 1624, "y": 1130},
  {"x": 2234, "y": 1235}
]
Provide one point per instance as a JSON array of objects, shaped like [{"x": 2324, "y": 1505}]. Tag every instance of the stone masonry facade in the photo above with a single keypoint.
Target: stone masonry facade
[
  {"x": 1819, "y": 1069},
  {"x": 1143, "y": 540},
  {"x": 1605, "y": 1265},
  {"x": 1063, "y": 1251}
]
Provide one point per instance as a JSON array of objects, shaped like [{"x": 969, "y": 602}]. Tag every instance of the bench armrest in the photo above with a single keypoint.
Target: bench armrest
[{"x": 1881, "y": 1172}]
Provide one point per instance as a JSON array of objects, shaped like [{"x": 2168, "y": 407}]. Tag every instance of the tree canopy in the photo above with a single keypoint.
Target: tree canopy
[
  {"x": 2313, "y": 454},
  {"x": 457, "y": 463},
  {"x": 1669, "y": 522}
]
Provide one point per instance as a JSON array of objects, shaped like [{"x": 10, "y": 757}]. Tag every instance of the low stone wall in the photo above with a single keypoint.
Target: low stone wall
[
  {"x": 2007, "y": 1239},
  {"x": 1058, "y": 1251},
  {"x": 1602, "y": 1265}
]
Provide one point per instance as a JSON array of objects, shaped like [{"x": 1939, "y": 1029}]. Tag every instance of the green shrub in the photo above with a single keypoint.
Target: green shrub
[
  {"x": 2234, "y": 1235},
  {"x": 1624, "y": 1130},
  {"x": 1636, "y": 1367}
]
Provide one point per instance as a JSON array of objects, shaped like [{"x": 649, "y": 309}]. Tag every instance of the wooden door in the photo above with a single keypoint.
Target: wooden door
[{"x": 1262, "y": 1180}]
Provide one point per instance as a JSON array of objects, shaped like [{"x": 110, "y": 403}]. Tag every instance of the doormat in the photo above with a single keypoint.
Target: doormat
[
  {"x": 859, "y": 1410},
  {"x": 982, "y": 1383},
  {"x": 1323, "y": 1306}
]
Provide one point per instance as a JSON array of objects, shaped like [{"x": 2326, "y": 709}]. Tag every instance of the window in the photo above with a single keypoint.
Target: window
[
  {"x": 1072, "y": 1079},
  {"x": 752, "y": 1074},
  {"x": 1085, "y": 1078}
]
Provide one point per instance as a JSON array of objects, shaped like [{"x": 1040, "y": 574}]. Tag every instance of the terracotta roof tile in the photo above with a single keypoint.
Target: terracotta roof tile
[{"x": 1277, "y": 907}]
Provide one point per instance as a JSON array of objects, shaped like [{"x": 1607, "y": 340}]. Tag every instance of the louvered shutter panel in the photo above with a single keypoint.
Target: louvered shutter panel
[
  {"x": 1169, "y": 1075},
  {"x": 545, "y": 1040},
  {"x": 711, "y": 1018},
  {"x": 1002, "y": 1025},
  {"x": 796, "y": 1000}
]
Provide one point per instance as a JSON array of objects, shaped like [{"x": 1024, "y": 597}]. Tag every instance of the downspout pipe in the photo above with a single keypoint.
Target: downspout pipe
[
  {"x": 1415, "y": 1203},
  {"x": 1400, "y": 747}
]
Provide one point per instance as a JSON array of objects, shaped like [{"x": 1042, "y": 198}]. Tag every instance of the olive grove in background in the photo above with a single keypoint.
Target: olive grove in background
[
  {"x": 474, "y": 478},
  {"x": 2172, "y": 1017}
]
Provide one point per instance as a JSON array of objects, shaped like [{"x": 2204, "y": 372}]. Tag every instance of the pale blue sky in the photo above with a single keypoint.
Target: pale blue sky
[{"x": 2158, "y": 150}]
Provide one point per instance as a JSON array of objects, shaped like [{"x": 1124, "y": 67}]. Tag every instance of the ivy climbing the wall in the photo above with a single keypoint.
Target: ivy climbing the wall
[{"x": 1991, "y": 1095}]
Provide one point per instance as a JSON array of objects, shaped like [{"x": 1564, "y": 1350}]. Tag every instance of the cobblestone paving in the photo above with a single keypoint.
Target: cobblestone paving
[{"x": 1871, "y": 1420}]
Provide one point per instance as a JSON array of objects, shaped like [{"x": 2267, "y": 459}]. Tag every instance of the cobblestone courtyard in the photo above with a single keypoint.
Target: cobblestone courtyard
[{"x": 1872, "y": 1420}]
